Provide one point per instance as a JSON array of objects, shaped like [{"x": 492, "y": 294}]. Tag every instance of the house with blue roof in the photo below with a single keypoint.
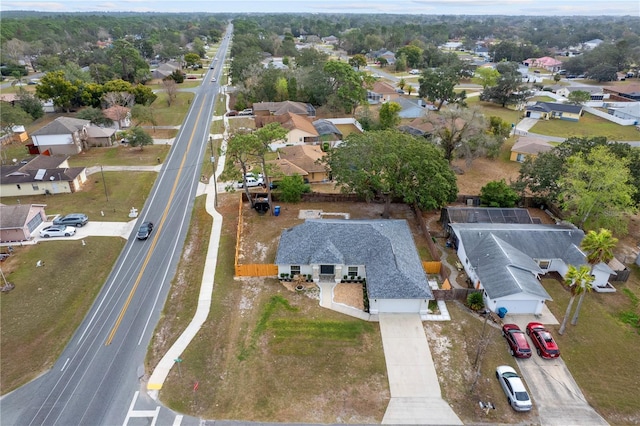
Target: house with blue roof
[{"x": 382, "y": 252}]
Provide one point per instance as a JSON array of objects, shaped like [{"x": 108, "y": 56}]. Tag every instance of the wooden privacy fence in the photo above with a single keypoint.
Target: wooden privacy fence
[
  {"x": 257, "y": 270},
  {"x": 432, "y": 267}
]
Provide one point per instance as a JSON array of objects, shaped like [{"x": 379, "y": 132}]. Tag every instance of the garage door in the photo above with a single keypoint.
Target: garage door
[
  {"x": 34, "y": 222},
  {"x": 518, "y": 306},
  {"x": 399, "y": 305}
]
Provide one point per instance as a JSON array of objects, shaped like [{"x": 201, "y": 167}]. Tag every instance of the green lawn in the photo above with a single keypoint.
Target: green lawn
[
  {"x": 48, "y": 303},
  {"x": 121, "y": 156},
  {"x": 588, "y": 126},
  {"x": 124, "y": 190},
  {"x": 171, "y": 115},
  {"x": 601, "y": 350},
  {"x": 489, "y": 109}
]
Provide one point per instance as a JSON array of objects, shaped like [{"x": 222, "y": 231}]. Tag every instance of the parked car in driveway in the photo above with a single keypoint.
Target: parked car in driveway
[
  {"x": 58, "y": 231},
  {"x": 513, "y": 387},
  {"x": 518, "y": 345},
  {"x": 145, "y": 230},
  {"x": 543, "y": 341},
  {"x": 250, "y": 181},
  {"x": 74, "y": 219}
]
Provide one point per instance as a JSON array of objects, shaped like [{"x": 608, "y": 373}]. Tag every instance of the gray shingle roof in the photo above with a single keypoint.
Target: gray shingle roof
[
  {"x": 505, "y": 270},
  {"x": 384, "y": 247},
  {"x": 536, "y": 241},
  {"x": 62, "y": 126},
  {"x": 505, "y": 254},
  {"x": 552, "y": 106}
]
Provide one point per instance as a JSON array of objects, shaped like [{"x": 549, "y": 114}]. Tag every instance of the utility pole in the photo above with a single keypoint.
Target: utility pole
[
  {"x": 481, "y": 344},
  {"x": 213, "y": 167},
  {"x": 104, "y": 183}
]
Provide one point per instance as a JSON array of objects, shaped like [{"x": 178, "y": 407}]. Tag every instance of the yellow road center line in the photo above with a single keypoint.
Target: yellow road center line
[{"x": 155, "y": 238}]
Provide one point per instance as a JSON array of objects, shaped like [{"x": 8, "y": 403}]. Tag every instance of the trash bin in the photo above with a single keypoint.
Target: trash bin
[
  {"x": 276, "y": 210},
  {"x": 502, "y": 312}
]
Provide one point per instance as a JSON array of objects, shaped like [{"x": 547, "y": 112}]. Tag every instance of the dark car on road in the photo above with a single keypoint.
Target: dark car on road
[
  {"x": 74, "y": 219},
  {"x": 543, "y": 341},
  {"x": 145, "y": 230},
  {"x": 518, "y": 345}
]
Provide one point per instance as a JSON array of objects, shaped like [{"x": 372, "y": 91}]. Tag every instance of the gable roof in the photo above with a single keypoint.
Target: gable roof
[
  {"x": 62, "y": 126},
  {"x": 531, "y": 145},
  {"x": 535, "y": 240},
  {"x": 552, "y": 106},
  {"x": 15, "y": 216},
  {"x": 505, "y": 270},
  {"x": 281, "y": 108},
  {"x": 384, "y": 247},
  {"x": 287, "y": 168},
  {"x": 383, "y": 88},
  {"x": 303, "y": 156}
]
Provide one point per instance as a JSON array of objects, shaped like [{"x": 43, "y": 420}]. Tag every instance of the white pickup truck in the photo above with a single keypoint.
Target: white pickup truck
[{"x": 251, "y": 182}]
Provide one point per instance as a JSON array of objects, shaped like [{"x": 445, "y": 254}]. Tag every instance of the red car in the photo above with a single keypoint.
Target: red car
[
  {"x": 518, "y": 345},
  {"x": 543, "y": 340}
]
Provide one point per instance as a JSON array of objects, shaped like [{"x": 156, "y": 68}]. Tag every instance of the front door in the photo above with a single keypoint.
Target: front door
[{"x": 327, "y": 269}]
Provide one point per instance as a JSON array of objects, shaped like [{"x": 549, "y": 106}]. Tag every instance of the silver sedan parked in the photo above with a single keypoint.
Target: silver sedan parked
[{"x": 513, "y": 387}]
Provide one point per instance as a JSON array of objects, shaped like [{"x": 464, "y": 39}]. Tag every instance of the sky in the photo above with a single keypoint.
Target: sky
[{"x": 424, "y": 7}]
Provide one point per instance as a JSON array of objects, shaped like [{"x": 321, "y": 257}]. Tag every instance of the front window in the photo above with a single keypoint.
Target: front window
[
  {"x": 35, "y": 186},
  {"x": 353, "y": 271},
  {"x": 295, "y": 270}
]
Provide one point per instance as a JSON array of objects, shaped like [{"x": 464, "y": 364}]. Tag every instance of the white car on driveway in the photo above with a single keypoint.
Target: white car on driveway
[
  {"x": 57, "y": 231},
  {"x": 513, "y": 387}
]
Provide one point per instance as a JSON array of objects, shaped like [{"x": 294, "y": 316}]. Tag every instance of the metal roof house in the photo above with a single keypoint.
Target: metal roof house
[
  {"x": 380, "y": 251},
  {"x": 505, "y": 260}
]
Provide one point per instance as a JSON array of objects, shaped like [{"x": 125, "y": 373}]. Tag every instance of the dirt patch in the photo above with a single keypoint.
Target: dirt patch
[{"x": 349, "y": 294}]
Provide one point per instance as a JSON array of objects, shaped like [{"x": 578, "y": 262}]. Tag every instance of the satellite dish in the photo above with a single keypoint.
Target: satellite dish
[
  {"x": 52, "y": 178},
  {"x": 15, "y": 160}
]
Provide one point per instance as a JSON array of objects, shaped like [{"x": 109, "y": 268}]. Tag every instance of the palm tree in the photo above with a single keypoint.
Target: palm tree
[
  {"x": 599, "y": 247},
  {"x": 579, "y": 282}
]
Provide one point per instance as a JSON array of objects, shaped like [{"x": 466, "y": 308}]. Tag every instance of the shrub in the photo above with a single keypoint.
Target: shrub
[{"x": 475, "y": 301}]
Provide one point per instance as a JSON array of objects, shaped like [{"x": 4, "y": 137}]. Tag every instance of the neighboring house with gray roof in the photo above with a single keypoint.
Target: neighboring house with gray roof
[
  {"x": 506, "y": 260},
  {"x": 41, "y": 175},
  {"x": 381, "y": 251},
  {"x": 19, "y": 221},
  {"x": 63, "y": 136},
  {"x": 549, "y": 110}
]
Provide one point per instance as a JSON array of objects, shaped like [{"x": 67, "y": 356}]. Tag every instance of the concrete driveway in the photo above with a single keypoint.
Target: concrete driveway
[
  {"x": 554, "y": 391},
  {"x": 92, "y": 229},
  {"x": 413, "y": 382}
]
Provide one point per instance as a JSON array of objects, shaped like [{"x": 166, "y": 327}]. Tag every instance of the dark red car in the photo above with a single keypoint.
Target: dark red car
[
  {"x": 543, "y": 340},
  {"x": 518, "y": 345}
]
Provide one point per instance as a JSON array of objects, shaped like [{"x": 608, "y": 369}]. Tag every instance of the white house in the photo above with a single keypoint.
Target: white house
[
  {"x": 382, "y": 252},
  {"x": 505, "y": 260}
]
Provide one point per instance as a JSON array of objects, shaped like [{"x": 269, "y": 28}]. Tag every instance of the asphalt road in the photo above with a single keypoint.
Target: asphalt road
[{"x": 98, "y": 379}]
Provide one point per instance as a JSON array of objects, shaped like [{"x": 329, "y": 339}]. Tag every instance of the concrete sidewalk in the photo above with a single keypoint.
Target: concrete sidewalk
[
  {"x": 161, "y": 371},
  {"x": 413, "y": 382}
]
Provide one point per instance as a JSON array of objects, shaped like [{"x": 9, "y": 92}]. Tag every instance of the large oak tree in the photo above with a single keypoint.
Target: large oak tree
[{"x": 388, "y": 164}]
